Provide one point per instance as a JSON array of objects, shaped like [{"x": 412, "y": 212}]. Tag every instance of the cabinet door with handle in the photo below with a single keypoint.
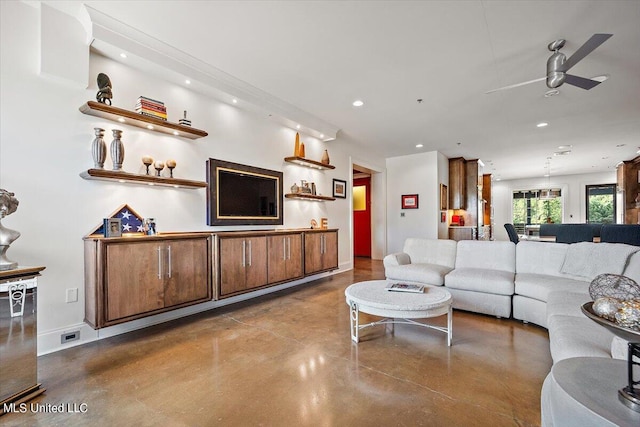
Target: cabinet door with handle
[
  {"x": 233, "y": 261},
  {"x": 284, "y": 257},
  {"x": 134, "y": 281},
  {"x": 186, "y": 271}
]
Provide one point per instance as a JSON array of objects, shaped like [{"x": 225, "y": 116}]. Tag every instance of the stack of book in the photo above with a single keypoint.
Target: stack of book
[{"x": 151, "y": 108}]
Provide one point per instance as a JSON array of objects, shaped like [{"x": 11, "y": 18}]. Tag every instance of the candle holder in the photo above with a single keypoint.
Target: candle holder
[
  {"x": 147, "y": 161},
  {"x": 171, "y": 164},
  {"x": 158, "y": 167}
]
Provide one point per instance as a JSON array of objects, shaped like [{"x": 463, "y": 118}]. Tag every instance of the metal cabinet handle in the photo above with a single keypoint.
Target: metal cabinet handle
[
  {"x": 244, "y": 253},
  {"x": 284, "y": 248},
  {"x": 170, "y": 264},
  {"x": 249, "y": 253},
  {"x": 289, "y": 240},
  {"x": 159, "y": 262}
]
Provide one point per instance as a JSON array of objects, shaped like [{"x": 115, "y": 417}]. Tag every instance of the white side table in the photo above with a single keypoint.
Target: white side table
[{"x": 583, "y": 392}]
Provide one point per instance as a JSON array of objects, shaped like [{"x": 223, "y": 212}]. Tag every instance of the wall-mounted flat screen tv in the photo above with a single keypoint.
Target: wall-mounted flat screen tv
[{"x": 243, "y": 195}]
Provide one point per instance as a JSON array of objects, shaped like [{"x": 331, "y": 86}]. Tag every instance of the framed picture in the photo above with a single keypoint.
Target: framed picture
[
  {"x": 444, "y": 198},
  {"x": 443, "y": 216},
  {"x": 112, "y": 227},
  {"x": 340, "y": 188},
  {"x": 409, "y": 201}
]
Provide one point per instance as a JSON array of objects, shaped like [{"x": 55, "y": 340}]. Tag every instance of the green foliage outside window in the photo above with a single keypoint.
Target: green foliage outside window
[
  {"x": 601, "y": 209},
  {"x": 538, "y": 210}
]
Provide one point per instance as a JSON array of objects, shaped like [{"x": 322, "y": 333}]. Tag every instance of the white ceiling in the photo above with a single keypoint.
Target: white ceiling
[{"x": 322, "y": 55}]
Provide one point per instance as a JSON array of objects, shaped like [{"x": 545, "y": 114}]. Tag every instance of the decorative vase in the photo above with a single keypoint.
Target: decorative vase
[
  {"x": 99, "y": 149},
  {"x": 117, "y": 150},
  {"x": 294, "y": 188},
  {"x": 301, "y": 152},
  {"x": 296, "y": 147},
  {"x": 325, "y": 158}
]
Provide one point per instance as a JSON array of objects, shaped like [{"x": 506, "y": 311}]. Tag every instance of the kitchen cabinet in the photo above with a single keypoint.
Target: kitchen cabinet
[
  {"x": 457, "y": 183},
  {"x": 628, "y": 186},
  {"x": 131, "y": 277}
]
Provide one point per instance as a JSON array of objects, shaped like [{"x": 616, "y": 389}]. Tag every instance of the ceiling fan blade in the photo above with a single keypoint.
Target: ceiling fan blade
[
  {"x": 516, "y": 85},
  {"x": 581, "y": 82},
  {"x": 584, "y": 50}
]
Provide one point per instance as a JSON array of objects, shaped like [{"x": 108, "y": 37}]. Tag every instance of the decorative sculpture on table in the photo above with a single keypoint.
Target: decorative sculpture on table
[
  {"x": 8, "y": 205},
  {"x": 104, "y": 94},
  {"x": 99, "y": 149}
]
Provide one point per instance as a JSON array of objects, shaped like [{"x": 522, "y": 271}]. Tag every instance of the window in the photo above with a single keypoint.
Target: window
[
  {"x": 535, "y": 207},
  {"x": 601, "y": 203}
]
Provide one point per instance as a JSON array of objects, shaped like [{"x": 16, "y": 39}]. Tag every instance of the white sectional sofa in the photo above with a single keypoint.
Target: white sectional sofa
[
  {"x": 422, "y": 261},
  {"x": 483, "y": 278},
  {"x": 542, "y": 283}
]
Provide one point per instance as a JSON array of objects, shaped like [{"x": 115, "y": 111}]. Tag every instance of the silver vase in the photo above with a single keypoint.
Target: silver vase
[
  {"x": 99, "y": 149},
  {"x": 117, "y": 150}
]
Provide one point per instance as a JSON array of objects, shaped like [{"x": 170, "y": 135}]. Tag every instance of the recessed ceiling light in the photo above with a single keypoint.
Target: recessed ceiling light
[
  {"x": 188, "y": 82},
  {"x": 562, "y": 153},
  {"x": 601, "y": 78},
  {"x": 149, "y": 127},
  {"x": 176, "y": 133},
  {"x": 542, "y": 124},
  {"x": 564, "y": 147},
  {"x": 297, "y": 126},
  {"x": 123, "y": 55},
  {"x": 121, "y": 120},
  {"x": 358, "y": 103},
  {"x": 322, "y": 135},
  {"x": 552, "y": 92},
  {"x": 235, "y": 101},
  {"x": 419, "y": 145}
]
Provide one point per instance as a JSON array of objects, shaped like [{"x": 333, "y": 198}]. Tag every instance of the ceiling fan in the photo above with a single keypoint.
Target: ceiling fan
[{"x": 558, "y": 65}]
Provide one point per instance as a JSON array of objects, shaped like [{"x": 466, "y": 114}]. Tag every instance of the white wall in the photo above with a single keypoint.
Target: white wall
[
  {"x": 45, "y": 144},
  {"x": 573, "y": 191},
  {"x": 412, "y": 174}
]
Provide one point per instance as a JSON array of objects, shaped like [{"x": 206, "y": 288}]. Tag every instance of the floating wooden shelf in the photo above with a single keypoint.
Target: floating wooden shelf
[
  {"x": 132, "y": 118},
  {"x": 308, "y": 163},
  {"x": 132, "y": 178},
  {"x": 304, "y": 196}
]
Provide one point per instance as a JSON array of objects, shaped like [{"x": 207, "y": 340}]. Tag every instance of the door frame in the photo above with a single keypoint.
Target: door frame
[{"x": 378, "y": 207}]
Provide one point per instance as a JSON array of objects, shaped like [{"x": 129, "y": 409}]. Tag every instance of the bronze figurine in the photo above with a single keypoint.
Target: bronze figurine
[{"x": 104, "y": 94}]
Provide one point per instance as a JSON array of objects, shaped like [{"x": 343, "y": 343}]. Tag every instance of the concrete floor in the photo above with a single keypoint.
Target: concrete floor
[{"x": 287, "y": 360}]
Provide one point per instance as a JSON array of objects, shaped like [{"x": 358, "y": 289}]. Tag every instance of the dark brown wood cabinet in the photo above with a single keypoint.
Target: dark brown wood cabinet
[
  {"x": 457, "y": 183},
  {"x": 243, "y": 264},
  {"x": 628, "y": 177},
  {"x": 131, "y": 277},
  {"x": 284, "y": 257},
  {"x": 320, "y": 251}
]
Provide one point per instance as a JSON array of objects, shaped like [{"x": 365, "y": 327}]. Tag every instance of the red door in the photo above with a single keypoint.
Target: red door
[{"x": 362, "y": 217}]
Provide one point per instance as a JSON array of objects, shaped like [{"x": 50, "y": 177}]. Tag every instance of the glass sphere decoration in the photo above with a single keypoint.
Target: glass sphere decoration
[
  {"x": 158, "y": 166},
  {"x": 628, "y": 316},
  {"x": 615, "y": 286},
  {"x": 606, "y": 307}
]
